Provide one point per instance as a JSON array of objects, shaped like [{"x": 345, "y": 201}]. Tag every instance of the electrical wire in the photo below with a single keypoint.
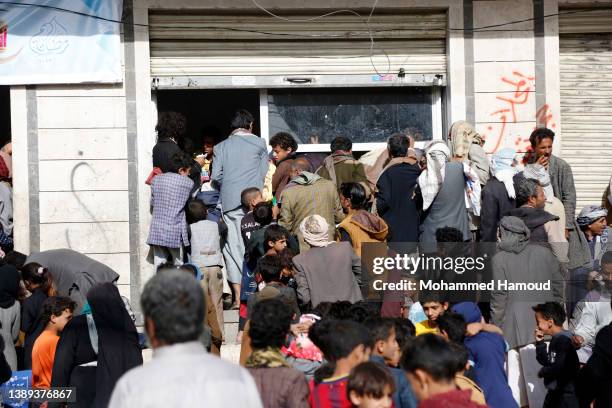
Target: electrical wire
[{"x": 489, "y": 28}]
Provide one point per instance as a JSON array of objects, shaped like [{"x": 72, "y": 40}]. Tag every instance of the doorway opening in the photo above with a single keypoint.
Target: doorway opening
[{"x": 208, "y": 112}]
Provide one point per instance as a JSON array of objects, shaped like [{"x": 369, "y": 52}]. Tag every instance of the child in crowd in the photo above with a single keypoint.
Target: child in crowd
[
  {"x": 560, "y": 361},
  {"x": 57, "y": 312},
  {"x": 39, "y": 282},
  {"x": 345, "y": 345},
  {"x": 168, "y": 233},
  {"x": 386, "y": 351},
  {"x": 275, "y": 239},
  {"x": 269, "y": 269},
  {"x": 431, "y": 364},
  {"x": 249, "y": 198},
  {"x": 370, "y": 386},
  {"x": 487, "y": 351},
  {"x": 462, "y": 381},
  {"x": 404, "y": 331},
  {"x": 206, "y": 253},
  {"x": 433, "y": 306},
  {"x": 279, "y": 384}
]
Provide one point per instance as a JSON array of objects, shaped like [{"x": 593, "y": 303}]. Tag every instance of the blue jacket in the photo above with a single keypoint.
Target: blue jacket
[
  {"x": 403, "y": 397},
  {"x": 487, "y": 351}
]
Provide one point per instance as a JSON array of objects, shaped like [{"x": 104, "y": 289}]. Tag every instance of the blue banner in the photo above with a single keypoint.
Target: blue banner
[{"x": 60, "y": 42}]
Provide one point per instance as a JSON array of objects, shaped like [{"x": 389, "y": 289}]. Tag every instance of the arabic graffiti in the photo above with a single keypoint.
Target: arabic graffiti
[{"x": 514, "y": 108}]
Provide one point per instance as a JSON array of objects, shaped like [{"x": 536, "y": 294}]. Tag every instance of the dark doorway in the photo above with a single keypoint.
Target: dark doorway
[
  {"x": 208, "y": 111},
  {"x": 5, "y": 114}
]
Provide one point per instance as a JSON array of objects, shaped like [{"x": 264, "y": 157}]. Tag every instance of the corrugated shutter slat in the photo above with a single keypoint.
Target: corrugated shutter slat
[
  {"x": 586, "y": 101},
  {"x": 198, "y": 44}
]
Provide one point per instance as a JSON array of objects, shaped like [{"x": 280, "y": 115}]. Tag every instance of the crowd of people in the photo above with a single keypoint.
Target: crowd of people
[{"x": 282, "y": 238}]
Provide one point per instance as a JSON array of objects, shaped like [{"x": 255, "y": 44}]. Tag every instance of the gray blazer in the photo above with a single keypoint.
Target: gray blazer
[
  {"x": 11, "y": 322},
  {"x": 562, "y": 181},
  {"x": 240, "y": 162},
  {"x": 328, "y": 274}
]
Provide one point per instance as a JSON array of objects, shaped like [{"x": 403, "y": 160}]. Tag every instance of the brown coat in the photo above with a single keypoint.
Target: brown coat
[
  {"x": 281, "y": 387},
  {"x": 363, "y": 226},
  {"x": 303, "y": 200}
]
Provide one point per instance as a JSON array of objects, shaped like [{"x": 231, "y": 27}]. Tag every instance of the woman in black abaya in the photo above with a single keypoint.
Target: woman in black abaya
[{"x": 96, "y": 348}]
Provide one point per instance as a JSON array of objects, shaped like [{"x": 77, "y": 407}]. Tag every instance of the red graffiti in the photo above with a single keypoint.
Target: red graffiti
[{"x": 508, "y": 111}]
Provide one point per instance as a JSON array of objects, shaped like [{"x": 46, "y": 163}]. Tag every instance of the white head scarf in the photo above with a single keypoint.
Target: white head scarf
[
  {"x": 538, "y": 172},
  {"x": 315, "y": 231},
  {"x": 430, "y": 180},
  {"x": 502, "y": 169}
]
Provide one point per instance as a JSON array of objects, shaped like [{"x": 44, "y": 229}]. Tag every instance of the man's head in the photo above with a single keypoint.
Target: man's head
[
  {"x": 592, "y": 219},
  {"x": 283, "y": 145},
  {"x": 398, "y": 145},
  {"x": 276, "y": 238},
  {"x": 269, "y": 324},
  {"x": 341, "y": 144},
  {"x": 250, "y": 197},
  {"x": 371, "y": 385},
  {"x": 353, "y": 196},
  {"x": 57, "y": 312},
  {"x": 243, "y": 119},
  {"x": 452, "y": 327},
  {"x": 210, "y": 135},
  {"x": 430, "y": 364},
  {"x": 181, "y": 164},
  {"x": 196, "y": 211},
  {"x": 172, "y": 125},
  {"x": 541, "y": 141},
  {"x": 262, "y": 213},
  {"x": 549, "y": 316},
  {"x": 433, "y": 305},
  {"x": 300, "y": 165},
  {"x": 269, "y": 268},
  {"x": 529, "y": 193},
  {"x": 173, "y": 305},
  {"x": 384, "y": 340}
]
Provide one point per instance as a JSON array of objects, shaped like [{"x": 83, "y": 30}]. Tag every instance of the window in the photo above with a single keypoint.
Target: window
[{"x": 366, "y": 115}]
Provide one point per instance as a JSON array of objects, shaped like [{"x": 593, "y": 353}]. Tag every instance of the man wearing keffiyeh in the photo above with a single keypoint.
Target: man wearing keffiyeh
[{"x": 587, "y": 245}]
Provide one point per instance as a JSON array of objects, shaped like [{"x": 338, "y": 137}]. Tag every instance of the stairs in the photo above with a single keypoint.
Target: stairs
[{"x": 230, "y": 351}]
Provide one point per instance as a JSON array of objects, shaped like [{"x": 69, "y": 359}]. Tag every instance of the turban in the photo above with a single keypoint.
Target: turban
[
  {"x": 538, "y": 172},
  {"x": 590, "y": 214},
  {"x": 315, "y": 231}
]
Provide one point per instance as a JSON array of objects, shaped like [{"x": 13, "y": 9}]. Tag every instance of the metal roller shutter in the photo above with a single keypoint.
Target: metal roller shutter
[
  {"x": 585, "y": 46},
  {"x": 196, "y": 44}
]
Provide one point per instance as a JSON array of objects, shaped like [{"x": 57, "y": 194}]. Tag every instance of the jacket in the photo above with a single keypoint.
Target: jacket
[
  {"x": 580, "y": 253},
  {"x": 535, "y": 219},
  {"x": 169, "y": 194},
  {"x": 328, "y": 274},
  {"x": 363, "y": 226},
  {"x": 241, "y": 161},
  {"x": 594, "y": 381},
  {"x": 205, "y": 244},
  {"x": 395, "y": 203},
  {"x": 305, "y": 195},
  {"x": 282, "y": 176},
  {"x": 495, "y": 205},
  {"x": 562, "y": 181},
  {"x": 281, "y": 387},
  {"x": 518, "y": 260},
  {"x": 342, "y": 168},
  {"x": 403, "y": 397}
]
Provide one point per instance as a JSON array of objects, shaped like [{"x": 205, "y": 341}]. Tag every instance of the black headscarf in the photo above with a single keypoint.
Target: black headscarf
[
  {"x": 9, "y": 285},
  {"x": 118, "y": 347}
]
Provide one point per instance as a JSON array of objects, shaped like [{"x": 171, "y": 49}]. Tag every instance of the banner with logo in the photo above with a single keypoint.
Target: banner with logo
[{"x": 60, "y": 42}]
